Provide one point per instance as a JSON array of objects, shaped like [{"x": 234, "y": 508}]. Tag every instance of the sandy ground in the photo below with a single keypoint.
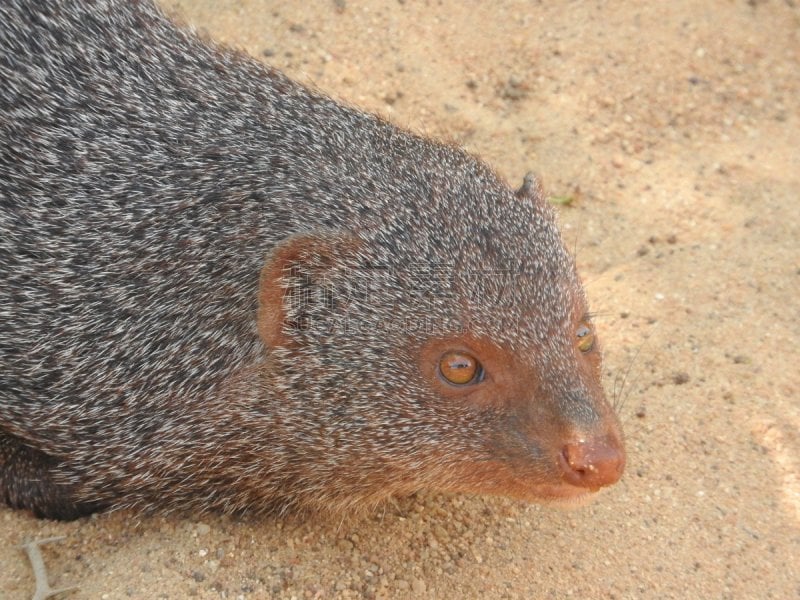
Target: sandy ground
[{"x": 673, "y": 128}]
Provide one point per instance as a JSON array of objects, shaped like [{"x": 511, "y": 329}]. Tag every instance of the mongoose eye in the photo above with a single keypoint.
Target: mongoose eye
[
  {"x": 585, "y": 335},
  {"x": 460, "y": 368}
]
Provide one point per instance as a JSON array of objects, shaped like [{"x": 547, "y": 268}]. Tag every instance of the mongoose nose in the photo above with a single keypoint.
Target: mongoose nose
[{"x": 592, "y": 463}]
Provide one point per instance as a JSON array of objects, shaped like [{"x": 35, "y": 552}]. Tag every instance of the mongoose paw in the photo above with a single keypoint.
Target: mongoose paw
[{"x": 27, "y": 482}]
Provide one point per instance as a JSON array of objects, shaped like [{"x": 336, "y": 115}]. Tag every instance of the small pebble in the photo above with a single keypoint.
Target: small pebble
[{"x": 680, "y": 378}]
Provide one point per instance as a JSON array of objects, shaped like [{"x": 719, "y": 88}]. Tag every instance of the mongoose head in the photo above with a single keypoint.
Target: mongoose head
[
  {"x": 423, "y": 326},
  {"x": 447, "y": 347}
]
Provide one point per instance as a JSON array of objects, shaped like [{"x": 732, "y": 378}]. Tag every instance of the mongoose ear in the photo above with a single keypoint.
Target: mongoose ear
[
  {"x": 294, "y": 289},
  {"x": 531, "y": 188}
]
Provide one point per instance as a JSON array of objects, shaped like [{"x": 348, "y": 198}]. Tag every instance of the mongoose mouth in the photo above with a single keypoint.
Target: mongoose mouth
[
  {"x": 561, "y": 494},
  {"x": 566, "y": 495},
  {"x": 556, "y": 488}
]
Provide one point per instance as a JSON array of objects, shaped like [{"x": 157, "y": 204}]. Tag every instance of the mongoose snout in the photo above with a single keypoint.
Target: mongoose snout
[{"x": 592, "y": 463}]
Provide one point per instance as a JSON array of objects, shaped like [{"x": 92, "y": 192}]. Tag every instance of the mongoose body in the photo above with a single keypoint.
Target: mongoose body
[{"x": 222, "y": 290}]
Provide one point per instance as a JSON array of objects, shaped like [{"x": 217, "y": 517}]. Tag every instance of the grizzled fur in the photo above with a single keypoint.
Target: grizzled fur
[{"x": 145, "y": 180}]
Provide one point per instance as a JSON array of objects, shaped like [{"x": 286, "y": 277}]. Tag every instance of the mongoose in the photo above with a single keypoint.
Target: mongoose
[{"x": 224, "y": 291}]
